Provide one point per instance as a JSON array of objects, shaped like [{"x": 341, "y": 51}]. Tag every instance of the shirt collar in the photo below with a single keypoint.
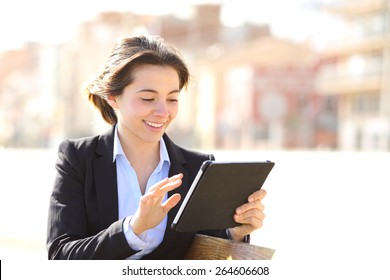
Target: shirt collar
[{"x": 164, "y": 157}]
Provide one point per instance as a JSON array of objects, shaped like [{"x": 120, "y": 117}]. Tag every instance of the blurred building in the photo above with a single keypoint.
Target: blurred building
[
  {"x": 251, "y": 90},
  {"x": 79, "y": 61},
  {"x": 248, "y": 89},
  {"x": 27, "y": 96},
  {"x": 356, "y": 70},
  {"x": 265, "y": 97}
]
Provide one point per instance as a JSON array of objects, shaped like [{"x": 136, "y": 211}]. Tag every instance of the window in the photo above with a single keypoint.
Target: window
[{"x": 365, "y": 103}]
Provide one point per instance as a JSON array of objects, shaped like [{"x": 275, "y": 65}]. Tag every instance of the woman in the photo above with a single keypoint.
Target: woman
[{"x": 116, "y": 194}]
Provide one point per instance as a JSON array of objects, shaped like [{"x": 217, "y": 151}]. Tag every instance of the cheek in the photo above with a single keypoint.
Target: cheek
[
  {"x": 174, "y": 110},
  {"x": 133, "y": 109}
]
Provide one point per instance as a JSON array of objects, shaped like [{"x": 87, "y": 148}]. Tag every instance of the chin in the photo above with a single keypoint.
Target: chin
[{"x": 152, "y": 139}]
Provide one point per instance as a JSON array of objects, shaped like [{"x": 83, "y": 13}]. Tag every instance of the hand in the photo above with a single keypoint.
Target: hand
[
  {"x": 151, "y": 211},
  {"x": 250, "y": 215}
]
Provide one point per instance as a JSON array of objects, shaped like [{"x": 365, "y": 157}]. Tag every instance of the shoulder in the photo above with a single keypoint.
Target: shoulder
[
  {"x": 194, "y": 160},
  {"x": 81, "y": 145},
  {"x": 195, "y": 156},
  {"x": 73, "y": 155},
  {"x": 185, "y": 156},
  {"x": 88, "y": 146}
]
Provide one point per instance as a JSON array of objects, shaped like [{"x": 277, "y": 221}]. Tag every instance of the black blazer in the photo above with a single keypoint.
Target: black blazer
[{"x": 83, "y": 213}]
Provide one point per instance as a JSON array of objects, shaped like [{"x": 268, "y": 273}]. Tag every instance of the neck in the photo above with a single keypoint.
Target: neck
[{"x": 137, "y": 151}]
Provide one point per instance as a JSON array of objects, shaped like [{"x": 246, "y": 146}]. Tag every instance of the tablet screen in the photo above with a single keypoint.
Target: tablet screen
[{"x": 218, "y": 189}]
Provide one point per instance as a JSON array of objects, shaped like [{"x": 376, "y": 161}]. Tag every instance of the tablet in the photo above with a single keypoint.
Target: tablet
[{"x": 218, "y": 189}]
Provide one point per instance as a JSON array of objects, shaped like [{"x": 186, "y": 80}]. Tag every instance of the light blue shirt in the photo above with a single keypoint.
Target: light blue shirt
[{"x": 129, "y": 194}]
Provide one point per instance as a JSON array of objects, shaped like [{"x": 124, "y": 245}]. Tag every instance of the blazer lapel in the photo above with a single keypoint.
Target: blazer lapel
[
  {"x": 177, "y": 162},
  {"x": 104, "y": 173}
]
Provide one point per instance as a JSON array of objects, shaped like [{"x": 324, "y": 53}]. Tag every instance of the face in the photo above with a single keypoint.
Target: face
[{"x": 148, "y": 105}]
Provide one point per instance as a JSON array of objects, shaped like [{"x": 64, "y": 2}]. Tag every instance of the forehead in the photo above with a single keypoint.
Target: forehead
[
  {"x": 155, "y": 77},
  {"x": 148, "y": 70}
]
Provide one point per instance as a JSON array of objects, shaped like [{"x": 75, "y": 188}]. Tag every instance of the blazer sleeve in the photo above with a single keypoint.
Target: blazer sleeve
[{"x": 69, "y": 236}]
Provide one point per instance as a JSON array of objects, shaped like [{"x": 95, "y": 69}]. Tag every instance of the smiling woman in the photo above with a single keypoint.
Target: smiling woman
[
  {"x": 136, "y": 66},
  {"x": 148, "y": 105},
  {"x": 115, "y": 194}
]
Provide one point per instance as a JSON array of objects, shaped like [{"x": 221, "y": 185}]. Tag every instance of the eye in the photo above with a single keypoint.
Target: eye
[
  {"x": 147, "y": 99},
  {"x": 173, "y": 98}
]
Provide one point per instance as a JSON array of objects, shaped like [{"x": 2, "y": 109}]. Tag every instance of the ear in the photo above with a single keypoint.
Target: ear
[{"x": 111, "y": 100}]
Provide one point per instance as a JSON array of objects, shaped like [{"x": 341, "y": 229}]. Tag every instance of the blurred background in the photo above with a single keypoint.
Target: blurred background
[
  {"x": 303, "y": 82},
  {"x": 283, "y": 75}
]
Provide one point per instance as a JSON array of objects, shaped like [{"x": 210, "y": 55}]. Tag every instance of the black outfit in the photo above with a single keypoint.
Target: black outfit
[{"x": 83, "y": 215}]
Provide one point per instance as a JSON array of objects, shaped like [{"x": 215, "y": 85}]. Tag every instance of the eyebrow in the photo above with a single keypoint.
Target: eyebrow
[{"x": 155, "y": 91}]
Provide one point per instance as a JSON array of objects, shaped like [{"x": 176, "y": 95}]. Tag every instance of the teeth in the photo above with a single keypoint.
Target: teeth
[{"x": 154, "y": 124}]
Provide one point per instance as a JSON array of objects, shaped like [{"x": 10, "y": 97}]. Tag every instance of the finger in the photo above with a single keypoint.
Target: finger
[
  {"x": 171, "y": 202},
  {"x": 257, "y": 195},
  {"x": 168, "y": 187},
  {"x": 250, "y": 205},
  {"x": 163, "y": 182},
  {"x": 157, "y": 196},
  {"x": 158, "y": 185},
  {"x": 248, "y": 215},
  {"x": 252, "y": 222},
  {"x": 177, "y": 176}
]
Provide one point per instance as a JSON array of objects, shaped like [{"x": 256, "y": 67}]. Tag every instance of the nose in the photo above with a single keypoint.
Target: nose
[{"x": 161, "y": 109}]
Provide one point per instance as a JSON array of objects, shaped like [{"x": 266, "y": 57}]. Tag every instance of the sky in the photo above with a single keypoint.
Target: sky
[{"x": 55, "y": 21}]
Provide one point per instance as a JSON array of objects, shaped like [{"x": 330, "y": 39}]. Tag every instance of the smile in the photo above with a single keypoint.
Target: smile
[{"x": 156, "y": 125}]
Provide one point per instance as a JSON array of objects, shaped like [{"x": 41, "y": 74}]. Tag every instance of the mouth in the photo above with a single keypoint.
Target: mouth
[{"x": 155, "y": 125}]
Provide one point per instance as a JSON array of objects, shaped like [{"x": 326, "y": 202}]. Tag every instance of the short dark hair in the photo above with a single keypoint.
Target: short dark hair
[{"x": 126, "y": 55}]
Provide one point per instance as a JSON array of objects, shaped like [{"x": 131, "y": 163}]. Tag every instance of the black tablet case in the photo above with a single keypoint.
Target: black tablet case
[{"x": 221, "y": 188}]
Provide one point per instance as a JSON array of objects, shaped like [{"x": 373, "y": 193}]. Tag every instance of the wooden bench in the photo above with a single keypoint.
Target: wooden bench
[{"x": 212, "y": 248}]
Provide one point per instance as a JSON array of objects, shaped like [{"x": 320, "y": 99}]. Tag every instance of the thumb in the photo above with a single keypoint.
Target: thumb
[{"x": 171, "y": 202}]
